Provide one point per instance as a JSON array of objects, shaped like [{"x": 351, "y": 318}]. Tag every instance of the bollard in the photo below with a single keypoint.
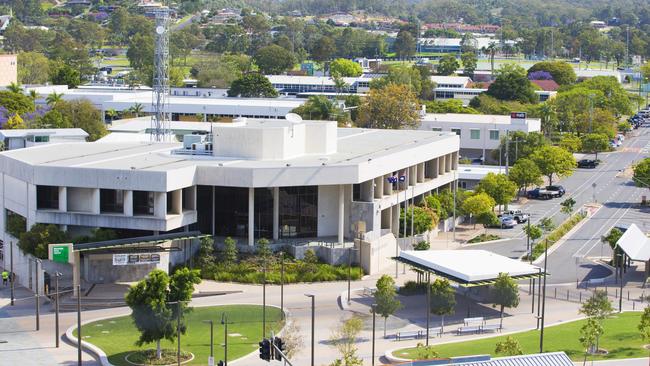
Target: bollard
[
  {"x": 628, "y": 295},
  {"x": 580, "y": 297},
  {"x": 633, "y": 305},
  {"x": 616, "y": 295},
  {"x": 567, "y": 295},
  {"x": 555, "y": 293},
  {"x": 606, "y": 293}
]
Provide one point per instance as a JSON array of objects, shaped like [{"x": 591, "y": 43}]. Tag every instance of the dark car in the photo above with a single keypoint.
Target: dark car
[
  {"x": 558, "y": 189},
  {"x": 588, "y": 163}
]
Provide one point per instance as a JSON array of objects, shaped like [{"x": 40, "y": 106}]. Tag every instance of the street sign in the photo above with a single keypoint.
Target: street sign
[
  {"x": 210, "y": 361},
  {"x": 60, "y": 253},
  {"x": 135, "y": 259}
]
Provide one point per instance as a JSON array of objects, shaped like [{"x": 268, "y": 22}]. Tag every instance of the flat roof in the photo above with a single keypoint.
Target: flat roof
[
  {"x": 469, "y": 118},
  {"x": 635, "y": 243},
  {"x": 68, "y": 132},
  {"x": 477, "y": 172},
  {"x": 142, "y": 124},
  {"x": 468, "y": 266},
  {"x": 539, "y": 359}
]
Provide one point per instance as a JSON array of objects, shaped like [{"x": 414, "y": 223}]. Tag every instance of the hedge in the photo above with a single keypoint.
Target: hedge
[{"x": 556, "y": 234}]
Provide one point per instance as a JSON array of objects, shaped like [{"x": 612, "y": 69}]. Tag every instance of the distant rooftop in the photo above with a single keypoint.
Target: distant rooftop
[
  {"x": 67, "y": 132},
  {"x": 468, "y": 118}
]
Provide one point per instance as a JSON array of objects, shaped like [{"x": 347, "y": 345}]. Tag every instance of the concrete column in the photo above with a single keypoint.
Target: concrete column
[
  {"x": 63, "y": 199},
  {"x": 76, "y": 272},
  {"x": 379, "y": 187},
  {"x": 160, "y": 204},
  {"x": 388, "y": 187},
  {"x": 341, "y": 213},
  {"x": 449, "y": 163},
  {"x": 421, "y": 173},
  {"x": 251, "y": 216},
  {"x": 395, "y": 220},
  {"x": 454, "y": 160},
  {"x": 367, "y": 192},
  {"x": 441, "y": 164},
  {"x": 413, "y": 175},
  {"x": 177, "y": 202},
  {"x": 96, "y": 202},
  {"x": 128, "y": 203},
  {"x": 276, "y": 213}
]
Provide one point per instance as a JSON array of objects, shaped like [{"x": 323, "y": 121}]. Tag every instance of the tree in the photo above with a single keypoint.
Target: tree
[
  {"x": 386, "y": 298},
  {"x": 14, "y": 88},
  {"x": 645, "y": 70},
  {"x": 590, "y": 332},
  {"x": 448, "y": 65},
  {"x": 470, "y": 62},
  {"x": 152, "y": 312},
  {"x": 274, "y": 60},
  {"x": 488, "y": 219},
  {"x": 478, "y": 204},
  {"x": 553, "y": 160},
  {"x": 423, "y": 352},
  {"x": 344, "y": 339},
  {"x": 401, "y": 75},
  {"x": 81, "y": 113},
  {"x": 546, "y": 224},
  {"x": 229, "y": 255},
  {"x": 220, "y": 71},
  {"x": 534, "y": 232},
  {"x": 562, "y": 72},
  {"x": 499, "y": 187},
  {"x": 597, "y": 307},
  {"x": 443, "y": 299},
  {"x": 424, "y": 219},
  {"x": 263, "y": 249},
  {"x": 571, "y": 143},
  {"x": 525, "y": 173},
  {"x": 644, "y": 325},
  {"x": 66, "y": 75},
  {"x": 317, "y": 107},
  {"x": 509, "y": 347},
  {"x": 505, "y": 293},
  {"x": 324, "y": 49},
  {"x": 205, "y": 256},
  {"x": 392, "y": 107},
  {"x": 16, "y": 103},
  {"x": 642, "y": 173},
  {"x": 404, "y": 44},
  {"x": 136, "y": 109},
  {"x": 252, "y": 85},
  {"x": 35, "y": 241},
  {"x": 345, "y": 68},
  {"x": 141, "y": 51},
  {"x": 15, "y": 122},
  {"x": 567, "y": 206},
  {"x": 491, "y": 51},
  {"x": 111, "y": 113},
  {"x": 33, "y": 68},
  {"x": 595, "y": 143},
  {"x": 53, "y": 98},
  {"x": 511, "y": 83}
]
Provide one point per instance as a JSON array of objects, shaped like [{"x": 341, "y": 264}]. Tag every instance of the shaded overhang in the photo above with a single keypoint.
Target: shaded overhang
[{"x": 141, "y": 243}]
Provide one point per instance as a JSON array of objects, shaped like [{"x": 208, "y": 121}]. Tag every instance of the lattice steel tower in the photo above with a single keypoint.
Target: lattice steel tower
[{"x": 160, "y": 127}]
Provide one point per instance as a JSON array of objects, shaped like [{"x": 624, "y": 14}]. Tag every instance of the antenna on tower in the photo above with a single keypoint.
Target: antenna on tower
[{"x": 160, "y": 128}]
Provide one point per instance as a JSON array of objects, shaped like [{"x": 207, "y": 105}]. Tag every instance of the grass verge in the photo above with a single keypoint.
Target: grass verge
[
  {"x": 621, "y": 339},
  {"x": 117, "y": 336},
  {"x": 483, "y": 237}
]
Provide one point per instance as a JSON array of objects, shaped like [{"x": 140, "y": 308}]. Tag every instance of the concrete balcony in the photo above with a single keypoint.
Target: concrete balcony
[{"x": 118, "y": 221}]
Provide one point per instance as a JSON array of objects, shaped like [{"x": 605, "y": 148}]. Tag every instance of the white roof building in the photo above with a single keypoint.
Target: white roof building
[
  {"x": 279, "y": 179},
  {"x": 21, "y": 138},
  {"x": 479, "y": 133}
]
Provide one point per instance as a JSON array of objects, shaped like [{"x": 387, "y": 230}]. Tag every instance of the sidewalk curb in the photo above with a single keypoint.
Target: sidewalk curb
[
  {"x": 566, "y": 236},
  {"x": 101, "y": 356}
]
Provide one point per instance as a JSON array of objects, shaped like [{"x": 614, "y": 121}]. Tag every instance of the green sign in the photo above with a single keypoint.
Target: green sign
[{"x": 60, "y": 253}]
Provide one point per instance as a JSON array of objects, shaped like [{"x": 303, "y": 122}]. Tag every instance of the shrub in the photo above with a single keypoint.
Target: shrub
[
  {"x": 16, "y": 224},
  {"x": 423, "y": 245},
  {"x": 556, "y": 234},
  {"x": 483, "y": 237},
  {"x": 412, "y": 288},
  {"x": 36, "y": 240},
  {"x": 248, "y": 272}
]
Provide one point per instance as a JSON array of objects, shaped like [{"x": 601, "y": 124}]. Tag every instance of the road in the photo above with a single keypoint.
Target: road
[{"x": 573, "y": 260}]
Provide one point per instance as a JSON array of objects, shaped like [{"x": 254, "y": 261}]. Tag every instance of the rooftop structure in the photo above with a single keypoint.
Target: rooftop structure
[
  {"x": 285, "y": 180},
  {"x": 540, "y": 359},
  {"x": 470, "y": 175},
  {"x": 479, "y": 133},
  {"x": 21, "y": 138}
]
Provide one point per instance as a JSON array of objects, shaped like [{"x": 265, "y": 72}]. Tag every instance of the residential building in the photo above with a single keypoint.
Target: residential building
[
  {"x": 479, "y": 134},
  {"x": 291, "y": 181},
  {"x": 8, "y": 70},
  {"x": 21, "y": 138}
]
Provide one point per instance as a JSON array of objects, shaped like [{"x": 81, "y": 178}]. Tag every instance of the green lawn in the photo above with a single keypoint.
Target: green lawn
[
  {"x": 621, "y": 339},
  {"x": 117, "y": 336}
]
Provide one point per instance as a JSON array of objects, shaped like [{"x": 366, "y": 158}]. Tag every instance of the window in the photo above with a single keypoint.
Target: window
[
  {"x": 474, "y": 134},
  {"x": 41, "y": 138},
  {"x": 47, "y": 198},
  {"x": 456, "y": 131},
  {"x": 143, "y": 203},
  {"x": 111, "y": 201},
  {"x": 494, "y": 134},
  {"x": 437, "y": 129}
]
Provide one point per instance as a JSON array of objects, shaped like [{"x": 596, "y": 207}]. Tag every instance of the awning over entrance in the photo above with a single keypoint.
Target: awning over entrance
[
  {"x": 635, "y": 244},
  {"x": 468, "y": 268},
  {"x": 137, "y": 241}
]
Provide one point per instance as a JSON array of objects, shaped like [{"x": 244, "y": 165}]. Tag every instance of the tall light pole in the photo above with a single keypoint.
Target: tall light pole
[
  {"x": 79, "y": 325},
  {"x": 349, "y": 273},
  {"x": 428, "y": 305},
  {"x": 541, "y": 334},
  {"x": 37, "y": 298},
  {"x": 224, "y": 321},
  {"x": 12, "y": 277},
  {"x": 56, "y": 307},
  {"x": 621, "y": 258},
  {"x": 374, "y": 316},
  {"x": 211, "y": 359},
  {"x": 178, "y": 333},
  {"x": 282, "y": 284},
  {"x": 264, "y": 301},
  {"x": 313, "y": 321}
]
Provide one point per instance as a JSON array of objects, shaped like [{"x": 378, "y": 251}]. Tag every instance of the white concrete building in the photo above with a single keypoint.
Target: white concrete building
[
  {"x": 20, "y": 138},
  {"x": 290, "y": 182},
  {"x": 479, "y": 133}
]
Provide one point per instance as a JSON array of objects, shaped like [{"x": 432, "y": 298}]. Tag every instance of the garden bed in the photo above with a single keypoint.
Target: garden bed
[
  {"x": 556, "y": 235},
  {"x": 483, "y": 238}
]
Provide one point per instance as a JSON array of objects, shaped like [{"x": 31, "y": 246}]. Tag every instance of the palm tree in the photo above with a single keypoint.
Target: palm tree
[
  {"x": 53, "y": 99},
  {"x": 111, "y": 113},
  {"x": 33, "y": 95},
  {"x": 548, "y": 116},
  {"x": 491, "y": 50},
  {"x": 15, "y": 88},
  {"x": 136, "y": 109}
]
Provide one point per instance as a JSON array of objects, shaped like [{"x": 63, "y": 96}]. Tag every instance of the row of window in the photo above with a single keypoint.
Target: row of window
[{"x": 474, "y": 133}]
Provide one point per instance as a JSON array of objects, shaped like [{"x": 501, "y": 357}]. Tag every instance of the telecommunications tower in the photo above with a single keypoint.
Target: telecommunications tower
[{"x": 160, "y": 128}]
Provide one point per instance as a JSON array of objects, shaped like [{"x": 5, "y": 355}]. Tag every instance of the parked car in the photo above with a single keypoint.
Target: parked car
[
  {"x": 559, "y": 189},
  {"x": 588, "y": 163},
  {"x": 507, "y": 222},
  {"x": 542, "y": 194},
  {"x": 518, "y": 215}
]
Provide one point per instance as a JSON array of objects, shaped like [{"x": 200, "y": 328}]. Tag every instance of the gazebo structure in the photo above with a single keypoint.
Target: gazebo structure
[{"x": 635, "y": 246}]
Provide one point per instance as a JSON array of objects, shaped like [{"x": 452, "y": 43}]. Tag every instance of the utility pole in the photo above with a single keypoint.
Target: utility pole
[
  {"x": 224, "y": 321},
  {"x": 374, "y": 317},
  {"x": 264, "y": 301},
  {"x": 12, "y": 277},
  {"x": 428, "y": 305},
  {"x": 56, "y": 308},
  {"x": 313, "y": 321},
  {"x": 79, "y": 325},
  {"x": 37, "y": 298},
  {"x": 282, "y": 283},
  {"x": 507, "y": 151},
  {"x": 178, "y": 333},
  {"x": 541, "y": 334},
  {"x": 211, "y": 359},
  {"x": 627, "y": 46}
]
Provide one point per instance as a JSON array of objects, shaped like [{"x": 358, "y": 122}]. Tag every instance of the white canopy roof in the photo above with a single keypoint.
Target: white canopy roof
[
  {"x": 469, "y": 265},
  {"x": 635, "y": 244}
]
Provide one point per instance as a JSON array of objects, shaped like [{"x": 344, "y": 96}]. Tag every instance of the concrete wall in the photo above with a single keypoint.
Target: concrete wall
[
  {"x": 81, "y": 200},
  {"x": 331, "y": 255},
  {"x": 376, "y": 255},
  {"x": 328, "y": 210}
]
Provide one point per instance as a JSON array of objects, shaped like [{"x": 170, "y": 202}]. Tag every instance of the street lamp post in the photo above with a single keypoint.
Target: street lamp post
[
  {"x": 282, "y": 284},
  {"x": 349, "y": 272},
  {"x": 224, "y": 321},
  {"x": 12, "y": 277},
  {"x": 313, "y": 321},
  {"x": 79, "y": 325},
  {"x": 374, "y": 315},
  {"x": 264, "y": 301},
  {"x": 211, "y": 359},
  {"x": 178, "y": 333},
  {"x": 428, "y": 305},
  {"x": 541, "y": 334},
  {"x": 620, "y": 271},
  {"x": 56, "y": 307},
  {"x": 37, "y": 298}
]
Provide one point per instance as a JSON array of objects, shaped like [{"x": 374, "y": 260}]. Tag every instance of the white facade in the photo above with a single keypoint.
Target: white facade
[
  {"x": 479, "y": 134},
  {"x": 21, "y": 138},
  {"x": 163, "y": 186}
]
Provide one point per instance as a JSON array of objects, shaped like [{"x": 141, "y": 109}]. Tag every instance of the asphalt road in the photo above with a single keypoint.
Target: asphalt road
[{"x": 573, "y": 260}]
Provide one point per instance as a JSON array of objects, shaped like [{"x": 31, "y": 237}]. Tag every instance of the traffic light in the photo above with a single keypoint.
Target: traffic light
[
  {"x": 265, "y": 350},
  {"x": 279, "y": 344}
]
